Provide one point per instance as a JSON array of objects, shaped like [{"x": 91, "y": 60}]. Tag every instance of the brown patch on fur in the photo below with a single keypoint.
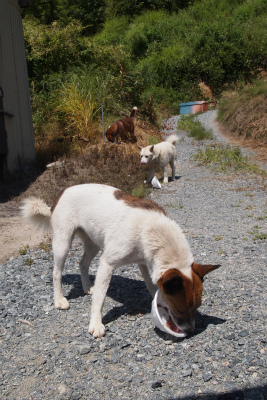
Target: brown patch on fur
[
  {"x": 56, "y": 201},
  {"x": 181, "y": 293},
  {"x": 183, "y": 296},
  {"x": 138, "y": 203}
]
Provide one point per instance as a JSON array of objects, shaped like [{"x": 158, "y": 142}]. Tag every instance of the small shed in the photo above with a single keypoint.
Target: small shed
[{"x": 16, "y": 128}]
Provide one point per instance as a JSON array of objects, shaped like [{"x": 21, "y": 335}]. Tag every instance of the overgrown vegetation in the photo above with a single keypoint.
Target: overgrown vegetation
[
  {"x": 152, "y": 54},
  {"x": 193, "y": 126},
  {"x": 81, "y": 53},
  {"x": 223, "y": 157}
]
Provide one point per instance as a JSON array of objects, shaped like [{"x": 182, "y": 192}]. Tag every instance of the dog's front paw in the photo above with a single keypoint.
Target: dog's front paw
[
  {"x": 62, "y": 303},
  {"x": 97, "y": 330},
  {"x": 91, "y": 290}
]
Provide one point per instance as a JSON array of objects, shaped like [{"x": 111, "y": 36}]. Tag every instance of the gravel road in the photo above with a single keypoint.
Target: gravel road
[{"x": 48, "y": 354}]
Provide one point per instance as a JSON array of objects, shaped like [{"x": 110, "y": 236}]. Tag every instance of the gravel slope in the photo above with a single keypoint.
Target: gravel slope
[{"x": 48, "y": 354}]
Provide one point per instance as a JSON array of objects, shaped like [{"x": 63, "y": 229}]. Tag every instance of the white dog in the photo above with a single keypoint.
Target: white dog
[
  {"x": 129, "y": 230},
  {"x": 160, "y": 155}
]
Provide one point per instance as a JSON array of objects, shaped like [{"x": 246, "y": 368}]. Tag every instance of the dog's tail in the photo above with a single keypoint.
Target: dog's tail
[
  {"x": 37, "y": 212},
  {"x": 173, "y": 139},
  {"x": 133, "y": 112}
]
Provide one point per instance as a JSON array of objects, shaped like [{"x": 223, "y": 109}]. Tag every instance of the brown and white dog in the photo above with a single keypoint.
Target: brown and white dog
[
  {"x": 121, "y": 127},
  {"x": 128, "y": 230}
]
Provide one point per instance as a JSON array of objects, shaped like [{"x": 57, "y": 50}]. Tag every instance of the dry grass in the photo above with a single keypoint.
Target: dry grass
[
  {"x": 243, "y": 115},
  {"x": 248, "y": 119}
]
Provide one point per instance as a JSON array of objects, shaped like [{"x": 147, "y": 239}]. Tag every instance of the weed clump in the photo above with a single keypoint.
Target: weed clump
[
  {"x": 226, "y": 157},
  {"x": 195, "y": 129}
]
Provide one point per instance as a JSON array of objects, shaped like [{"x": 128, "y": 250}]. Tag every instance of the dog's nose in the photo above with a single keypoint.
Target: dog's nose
[{"x": 188, "y": 326}]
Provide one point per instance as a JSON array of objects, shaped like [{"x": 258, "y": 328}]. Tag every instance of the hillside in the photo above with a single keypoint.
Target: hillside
[
  {"x": 243, "y": 116},
  {"x": 129, "y": 53}
]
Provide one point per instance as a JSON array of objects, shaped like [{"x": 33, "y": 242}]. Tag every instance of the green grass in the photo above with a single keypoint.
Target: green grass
[
  {"x": 217, "y": 238},
  {"x": 195, "y": 129},
  {"x": 260, "y": 236},
  {"x": 152, "y": 140},
  {"x": 176, "y": 206},
  {"x": 140, "y": 191},
  {"x": 224, "y": 158},
  {"x": 257, "y": 234},
  {"x": 262, "y": 218},
  {"x": 24, "y": 250},
  {"x": 29, "y": 261}
]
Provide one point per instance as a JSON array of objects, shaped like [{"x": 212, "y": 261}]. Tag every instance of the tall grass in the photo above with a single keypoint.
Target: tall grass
[{"x": 78, "y": 109}]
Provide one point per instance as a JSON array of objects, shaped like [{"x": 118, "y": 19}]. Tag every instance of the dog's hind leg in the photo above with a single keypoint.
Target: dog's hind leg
[
  {"x": 149, "y": 284},
  {"x": 61, "y": 245},
  {"x": 103, "y": 276},
  {"x": 90, "y": 251},
  {"x": 165, "y": 173},
  {"x": 172, "y": 164}
]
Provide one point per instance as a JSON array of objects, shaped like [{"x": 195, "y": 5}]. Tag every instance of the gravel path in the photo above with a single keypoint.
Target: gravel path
[{"x": 48, "y": 354}]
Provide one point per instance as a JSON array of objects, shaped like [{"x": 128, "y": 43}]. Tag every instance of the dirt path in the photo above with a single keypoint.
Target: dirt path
[{"x": 15, "y": 232}]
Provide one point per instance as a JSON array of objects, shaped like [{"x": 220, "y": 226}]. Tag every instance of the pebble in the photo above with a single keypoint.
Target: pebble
[{"x": 48, "y": 354}]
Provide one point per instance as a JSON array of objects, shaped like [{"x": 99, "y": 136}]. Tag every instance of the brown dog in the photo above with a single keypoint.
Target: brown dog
[{"x": 121, "y": 128}]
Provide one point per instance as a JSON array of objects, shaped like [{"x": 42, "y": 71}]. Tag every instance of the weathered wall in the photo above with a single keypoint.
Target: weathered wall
[{"x": 14, "y": 82}]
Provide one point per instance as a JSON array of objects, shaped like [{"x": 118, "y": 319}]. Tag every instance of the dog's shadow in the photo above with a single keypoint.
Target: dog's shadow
[
  {"x": 131, "y": 293},
  {"x": 135, "y": 300},
  {"x": 161, "y": 179},
  {"x": 202, "y": 322}
]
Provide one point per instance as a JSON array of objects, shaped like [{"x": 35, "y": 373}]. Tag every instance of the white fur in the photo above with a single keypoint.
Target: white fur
[
  {"x": 126, "y": 234},
  {"x": 36, "y": 211},
  {"x": 160, "y": 155}
]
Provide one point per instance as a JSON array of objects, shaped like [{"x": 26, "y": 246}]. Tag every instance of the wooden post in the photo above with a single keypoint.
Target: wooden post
[{"x": 103, "y": 122}]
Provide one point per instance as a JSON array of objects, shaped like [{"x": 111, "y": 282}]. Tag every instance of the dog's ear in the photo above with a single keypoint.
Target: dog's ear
[
  {"x": 171, "y": 282},
  {"x": 140, "y": 147},
  {"x": 202, "y": 270},
  {"x": 152, "y": 148}
]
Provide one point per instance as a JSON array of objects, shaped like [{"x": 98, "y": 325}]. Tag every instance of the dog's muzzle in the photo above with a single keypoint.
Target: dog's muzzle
[{"x": 187, "y": 326}]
